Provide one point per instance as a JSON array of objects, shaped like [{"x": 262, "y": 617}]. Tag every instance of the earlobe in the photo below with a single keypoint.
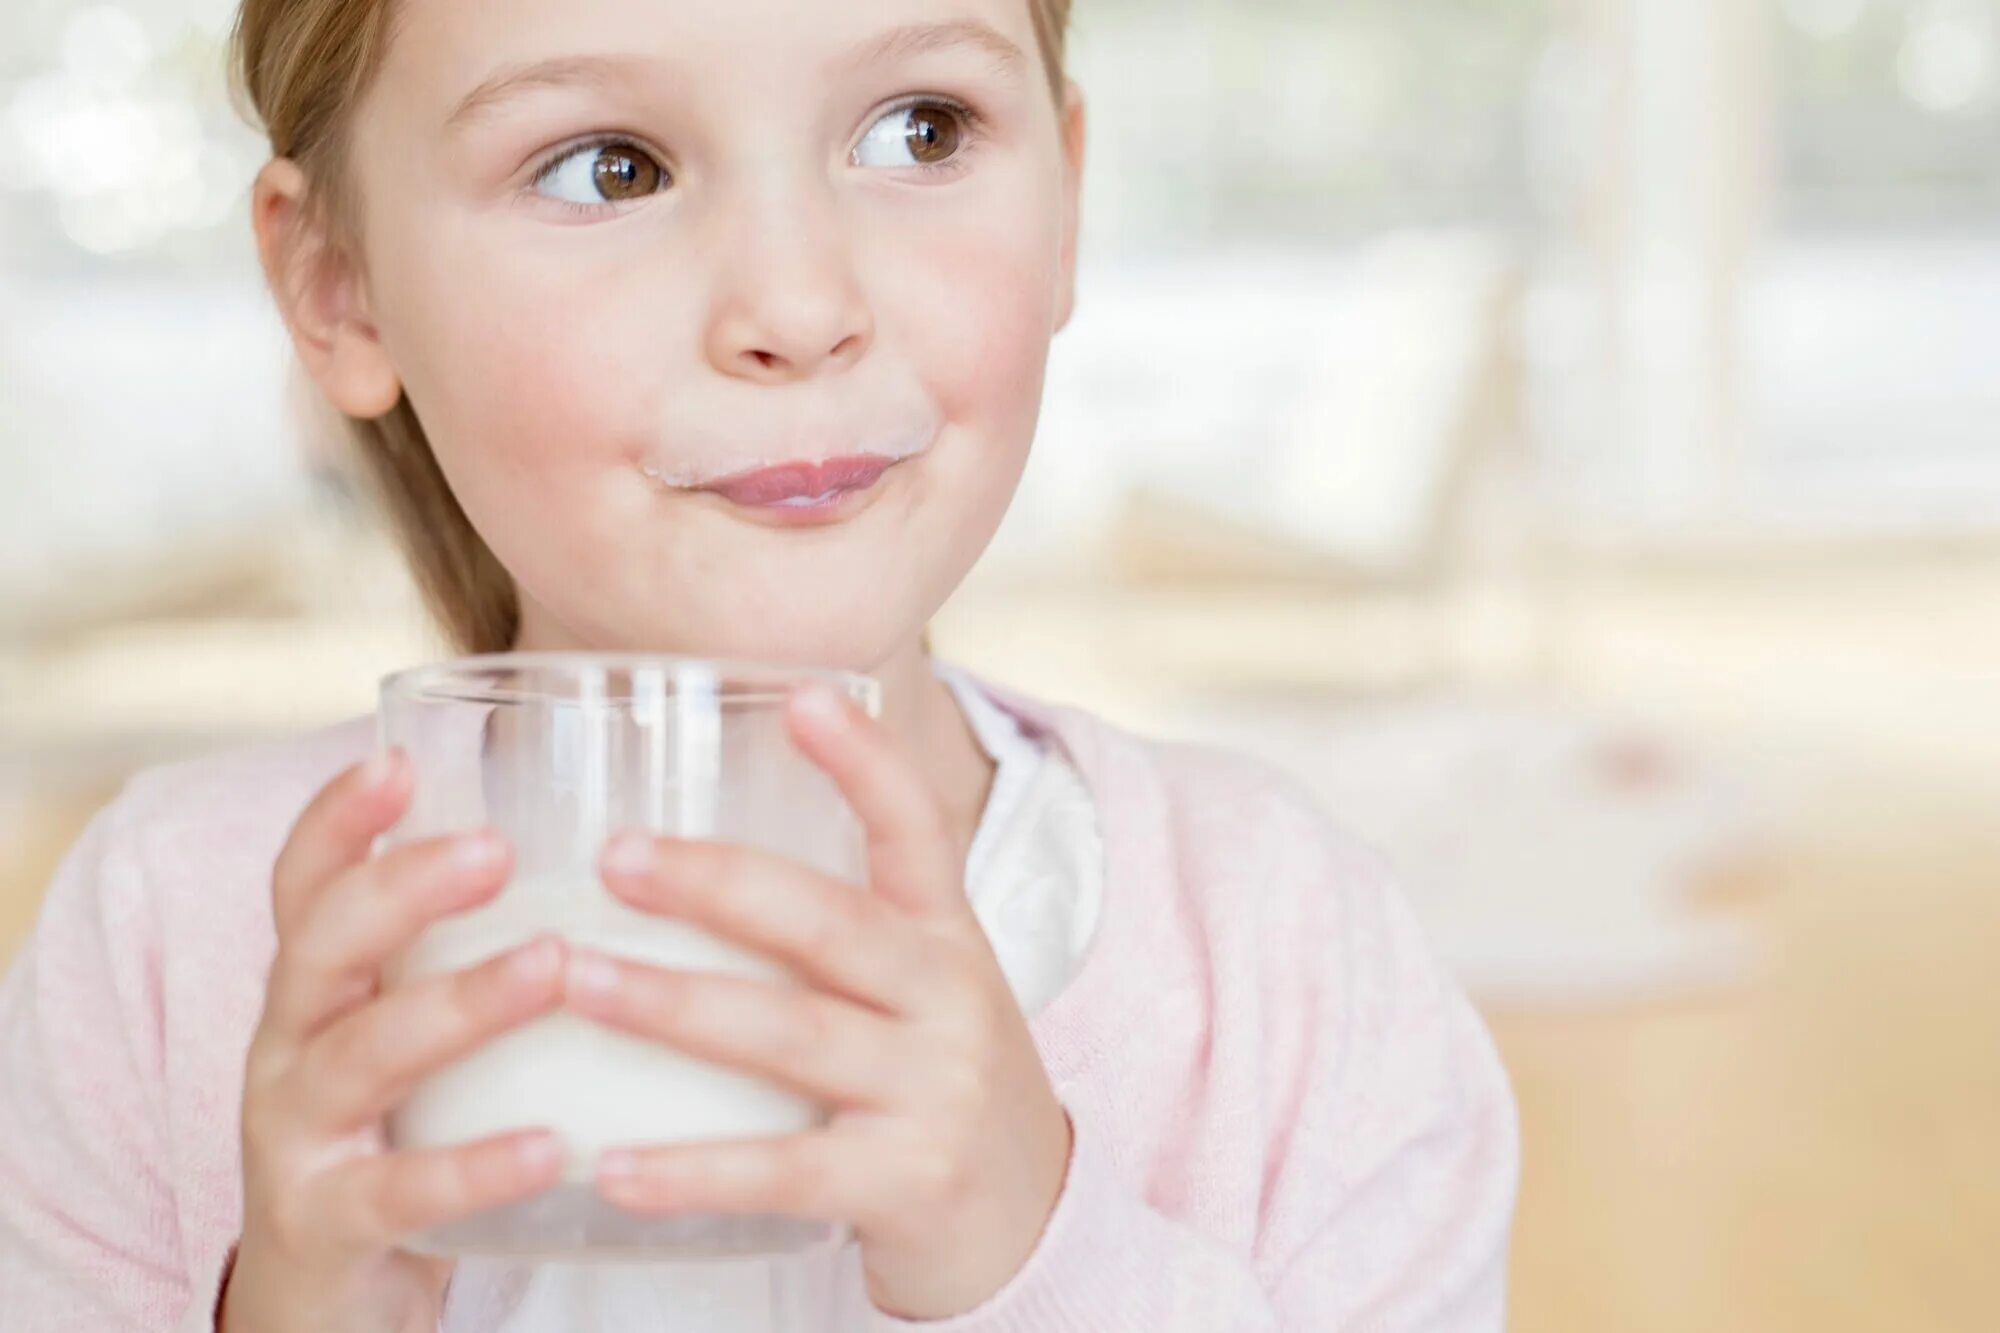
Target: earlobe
[
  {"x": 363, "y": 382},
  {"x": 1073, "y": 123},
  {"x": 320, "y": 295}
]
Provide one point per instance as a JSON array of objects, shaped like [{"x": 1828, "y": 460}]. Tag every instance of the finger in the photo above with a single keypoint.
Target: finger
[
  {"x": 387, "y": 1197},
  {"x": 820, "y": 1174},
  {"x": 832, "y": 934},
  {"x": 367, "y": 1061},
  {"x": 333, "y": 958},
  {"x": 824, "y": 1048},
  {"x": 910, "y": 855},
  {"x": 337, "y": 829}
]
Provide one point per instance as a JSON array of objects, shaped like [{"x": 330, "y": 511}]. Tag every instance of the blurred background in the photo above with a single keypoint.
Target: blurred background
[{"x": 1563, "y": 431}]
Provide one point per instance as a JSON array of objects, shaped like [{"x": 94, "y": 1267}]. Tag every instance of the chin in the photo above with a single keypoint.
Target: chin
[{"x": 859, "y": 644}]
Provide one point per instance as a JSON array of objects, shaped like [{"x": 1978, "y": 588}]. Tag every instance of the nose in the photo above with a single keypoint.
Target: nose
[{"x": 787, "y": 300}]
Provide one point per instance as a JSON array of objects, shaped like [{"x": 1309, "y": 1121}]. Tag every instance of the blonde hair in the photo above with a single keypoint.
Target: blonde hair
[{"x": 301, "y": 66}]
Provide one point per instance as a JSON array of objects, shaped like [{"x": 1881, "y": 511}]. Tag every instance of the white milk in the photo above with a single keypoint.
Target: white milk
[{"x": 596, "y": 1088}]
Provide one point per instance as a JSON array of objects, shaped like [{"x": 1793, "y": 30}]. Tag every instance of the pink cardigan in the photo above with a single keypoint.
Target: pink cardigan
[{"x": 1287, "y": 1116}]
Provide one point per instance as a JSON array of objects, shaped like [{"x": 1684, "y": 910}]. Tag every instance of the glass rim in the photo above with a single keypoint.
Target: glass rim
[{"x": 455, "y": 680}]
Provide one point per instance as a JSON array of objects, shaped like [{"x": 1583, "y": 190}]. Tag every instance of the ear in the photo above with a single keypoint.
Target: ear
[
  {"x": 1072, "y": 129},
  {"x": 320, "y": 294}
]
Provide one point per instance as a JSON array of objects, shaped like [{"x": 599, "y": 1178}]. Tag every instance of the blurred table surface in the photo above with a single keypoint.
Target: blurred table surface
[{"x": 1814, "y": 1149}]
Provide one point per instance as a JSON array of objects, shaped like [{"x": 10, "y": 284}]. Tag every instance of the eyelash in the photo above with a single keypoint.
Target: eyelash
[
  {"x": 557, "y": 157},
  {"x": 972, "y": 123}
]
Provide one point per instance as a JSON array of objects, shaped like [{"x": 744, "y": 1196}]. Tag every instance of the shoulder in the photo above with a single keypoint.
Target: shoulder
[
  {"x": 194, "y": 839},
  {"x": 1349, "y": 985},
  {"x": 1242, "y": 828},
  {"x": 160, "y": 912},
  {"x": 1245, "y": 851},
  {"x": 1266, "y": 860},
  {"x": 1219, "y": 792},
  {"x": 1195, "y": 783},
  {"x": 237, "y": 796},
  {"x": 1232, "y": 821}
]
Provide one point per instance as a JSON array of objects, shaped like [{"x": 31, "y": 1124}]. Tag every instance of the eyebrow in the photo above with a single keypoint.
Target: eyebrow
[
  {"x": 902, "y": 43},
  {"x": 921, "y": 38},
  {"x": 556, "y": 72}
]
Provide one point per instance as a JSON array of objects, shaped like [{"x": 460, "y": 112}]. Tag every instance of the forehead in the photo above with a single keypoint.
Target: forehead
[{"x": 443, "y": 51}]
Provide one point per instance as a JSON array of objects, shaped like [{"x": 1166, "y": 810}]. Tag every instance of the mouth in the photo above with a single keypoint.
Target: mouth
[
  {"x": 803, "y": 494},
  {"x": 802, "y": 485},
  {"x": 800, "y": 491}
]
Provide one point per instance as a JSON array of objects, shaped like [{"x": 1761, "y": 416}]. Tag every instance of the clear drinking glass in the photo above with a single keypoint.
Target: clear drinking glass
[{"x": 558, "y": 751}]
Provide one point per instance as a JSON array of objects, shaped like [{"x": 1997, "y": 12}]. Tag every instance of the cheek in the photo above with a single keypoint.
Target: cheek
[
  {"x": 977, "y": 316},
  {"x": 975, "y": 319},
  {"x": 521, "y": 381}
]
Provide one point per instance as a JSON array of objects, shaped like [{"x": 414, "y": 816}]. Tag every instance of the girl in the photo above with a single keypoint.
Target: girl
[{"x": 721, "y": 329}]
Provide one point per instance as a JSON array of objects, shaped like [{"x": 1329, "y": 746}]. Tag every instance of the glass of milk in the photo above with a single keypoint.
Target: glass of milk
[{"x": 558, "y": 751}]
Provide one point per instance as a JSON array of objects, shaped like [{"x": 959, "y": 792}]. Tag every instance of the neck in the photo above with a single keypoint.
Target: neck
[{"x": 923, "y": 714}]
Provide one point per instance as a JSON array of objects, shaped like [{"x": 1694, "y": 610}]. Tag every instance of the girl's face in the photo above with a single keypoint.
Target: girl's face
[{"x": 616, "y": 249}]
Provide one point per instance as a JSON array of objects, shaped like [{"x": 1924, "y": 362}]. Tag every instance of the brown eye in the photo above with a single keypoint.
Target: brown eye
[
  {"x": 593, "y": 175},
  {"x": 922, "y": 134},
  {"x": 932, "y": 133},
  {"x": 622, "y": 172}
]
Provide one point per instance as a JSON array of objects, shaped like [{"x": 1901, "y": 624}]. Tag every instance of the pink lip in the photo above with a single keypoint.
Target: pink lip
[{"x": 801, "y": 480}]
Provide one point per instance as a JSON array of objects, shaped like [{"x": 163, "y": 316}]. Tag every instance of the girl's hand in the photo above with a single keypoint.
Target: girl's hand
[
  {"x": 947, "y": 1147},
  {"x": 324, "y": 1205}
]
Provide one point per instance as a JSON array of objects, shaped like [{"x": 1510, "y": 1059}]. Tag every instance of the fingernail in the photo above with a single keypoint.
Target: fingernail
[
  {"x": 591, "y": 974},
  {"x": 532, "y": 962},
  {"x": 631, "y": 853},
  {"x": 820, "y": 702},
  {"x": 540, "y": 1152},
  {"x": 617, "y": 1167},
  {"x": 479, "y": 851},
  {"x": 381, "y": 766}
]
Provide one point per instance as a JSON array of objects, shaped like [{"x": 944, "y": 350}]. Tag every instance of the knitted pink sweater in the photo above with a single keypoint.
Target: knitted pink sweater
[{"x": 1287, "y": 1117}]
